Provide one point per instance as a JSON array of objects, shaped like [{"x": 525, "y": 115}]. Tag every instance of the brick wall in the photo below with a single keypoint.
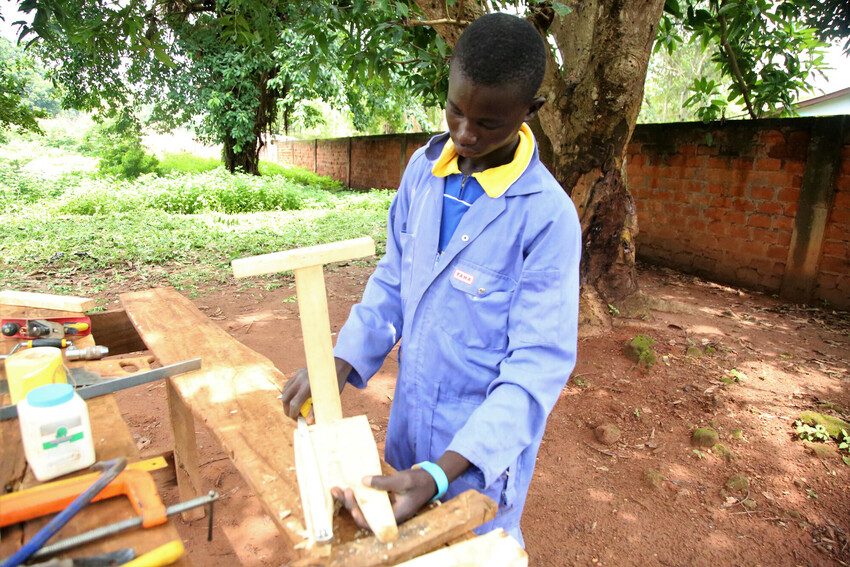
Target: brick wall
[
  {"x": 719, "y": 200},
  {"x": 833, "y": 281}
]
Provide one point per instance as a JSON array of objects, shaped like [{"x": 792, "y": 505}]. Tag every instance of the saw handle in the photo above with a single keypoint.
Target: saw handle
[{"x": 137, "y": 485}]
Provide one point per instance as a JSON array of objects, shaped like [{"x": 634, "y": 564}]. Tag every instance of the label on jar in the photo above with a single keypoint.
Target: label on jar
[{"x": 59, "y": 436}]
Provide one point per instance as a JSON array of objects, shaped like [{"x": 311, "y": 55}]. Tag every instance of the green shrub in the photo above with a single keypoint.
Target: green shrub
[
  {"x": 184, "y": 162},
  {"x": 127, "y": 160}
]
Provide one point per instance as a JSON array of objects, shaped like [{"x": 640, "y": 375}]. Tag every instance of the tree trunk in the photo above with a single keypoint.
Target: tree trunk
[
  {"x": 593, "y": 99},
  {"x": 247, "y": 158}
]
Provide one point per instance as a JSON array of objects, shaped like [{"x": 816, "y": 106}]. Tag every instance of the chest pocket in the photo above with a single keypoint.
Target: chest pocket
[{"x": 476, "y": 306}]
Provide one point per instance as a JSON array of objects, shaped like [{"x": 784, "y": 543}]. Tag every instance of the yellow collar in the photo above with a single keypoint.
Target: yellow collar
[{"x": 496, "y": 180}]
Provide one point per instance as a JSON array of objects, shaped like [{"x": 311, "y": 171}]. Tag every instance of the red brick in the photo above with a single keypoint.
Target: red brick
[
  {"x": 768, "y": 164},
  {"x": 794, "y": 166},
  {"x": 734, "y": 217},
  {"x": 784, "y": 224},
  {"x": 772, "y": 137},
  {"x": 770, "y": 208},
  {"x": 738, "y": 231},
  {"x": 834, "y": 248},
  {"x": 788, "y": 194},
  {"x": 759, "y": 220},
  {"x": 791, "y": 210},
  {"x": 762, "y": 192},
  {"x": 834, "y": 264},
  {"x": 839, "y": 215},
  {"x": 777, "y": 252}
]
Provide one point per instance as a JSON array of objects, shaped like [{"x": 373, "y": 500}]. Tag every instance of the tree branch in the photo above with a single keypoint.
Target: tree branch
[
  {"x": 442, "y": 21},
  {"x": 733, "y": 62}
]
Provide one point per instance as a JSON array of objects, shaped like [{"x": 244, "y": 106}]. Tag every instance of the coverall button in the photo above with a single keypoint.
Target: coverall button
[
  {"x": 481, "y": 290},
  {"x": 465, "y": 238}
]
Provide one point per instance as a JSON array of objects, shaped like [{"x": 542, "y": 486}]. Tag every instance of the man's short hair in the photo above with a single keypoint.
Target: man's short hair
[{"x": 500, "y": 49}]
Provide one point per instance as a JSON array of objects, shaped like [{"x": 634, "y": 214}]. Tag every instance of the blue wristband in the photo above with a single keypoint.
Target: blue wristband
[{"x": 438, "y": 475}]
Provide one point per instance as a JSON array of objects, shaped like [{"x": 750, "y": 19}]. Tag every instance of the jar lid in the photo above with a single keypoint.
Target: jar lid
[{"x": 50, "y": 395}]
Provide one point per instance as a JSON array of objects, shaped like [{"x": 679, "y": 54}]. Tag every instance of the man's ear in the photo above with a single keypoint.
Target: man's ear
[{"x": 534, "y": 107}]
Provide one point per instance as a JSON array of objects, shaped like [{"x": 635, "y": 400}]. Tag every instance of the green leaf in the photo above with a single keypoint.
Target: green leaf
[{"x": 561, "y": 9}]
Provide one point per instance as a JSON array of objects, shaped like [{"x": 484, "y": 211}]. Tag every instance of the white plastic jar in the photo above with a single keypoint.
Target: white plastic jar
[{"x": 56, "y": 431}]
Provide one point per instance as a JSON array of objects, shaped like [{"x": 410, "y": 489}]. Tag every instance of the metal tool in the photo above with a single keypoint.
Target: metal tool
[
  {"x": 108, "y": 559},
  {"x": 112, "y": 469},
  {"x": 124, "y": 525},
  {"x": 116, "y": 384},
  {"x": 137, "y": 485},
  {"x": 88, "y": 353},
  {"x": 46, "y": 328}
]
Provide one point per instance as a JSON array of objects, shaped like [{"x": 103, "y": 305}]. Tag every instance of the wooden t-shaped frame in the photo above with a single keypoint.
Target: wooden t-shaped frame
[{"x": 345, "y": 449}]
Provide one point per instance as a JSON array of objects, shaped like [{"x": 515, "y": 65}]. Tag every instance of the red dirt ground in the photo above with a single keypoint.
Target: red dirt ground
[{"x": 648, "y": 499}]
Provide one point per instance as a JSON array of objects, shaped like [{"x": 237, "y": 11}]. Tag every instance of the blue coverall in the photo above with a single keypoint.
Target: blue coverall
[{"x": 489, "y": 327}]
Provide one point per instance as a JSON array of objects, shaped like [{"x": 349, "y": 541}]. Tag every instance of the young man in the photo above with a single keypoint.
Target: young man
[{"x": 479, "y": 282}]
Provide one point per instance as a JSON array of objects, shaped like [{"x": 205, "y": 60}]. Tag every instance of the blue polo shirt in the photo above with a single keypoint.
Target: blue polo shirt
[{"x": 460, "y": 192}]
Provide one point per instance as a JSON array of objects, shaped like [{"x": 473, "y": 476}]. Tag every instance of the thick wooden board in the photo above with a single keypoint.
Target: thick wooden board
[
  {"x": 493, "y": 549},
  {"x": 346, "y": 452},
  {"x": 429, "y": 530},
  {"x": 235, "y": 394},
  {"x": 115, "y": 331},
  {"x": 303, "y": 257},
  {"x": 46, "y": 301}
]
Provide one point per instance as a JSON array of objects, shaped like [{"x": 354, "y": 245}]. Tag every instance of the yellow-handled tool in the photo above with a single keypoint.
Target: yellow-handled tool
[{"x": 162, "y": 555}]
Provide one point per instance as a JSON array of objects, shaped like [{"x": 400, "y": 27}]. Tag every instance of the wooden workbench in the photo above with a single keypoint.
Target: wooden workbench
[
  {"x": 235, "y": 394},
  {"x": 112, "y": 439}
]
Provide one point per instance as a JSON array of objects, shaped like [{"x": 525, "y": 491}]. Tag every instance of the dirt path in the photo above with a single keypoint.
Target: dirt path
[{"x": 647, "y": 498}]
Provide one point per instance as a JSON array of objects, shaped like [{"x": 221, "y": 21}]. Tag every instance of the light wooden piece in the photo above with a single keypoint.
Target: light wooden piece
[
  {"x": 303, "y": 257},
  {"x": 493, "y": 549},
  {"x": 318, "y": 348},
  {"x": 347, "y": 452},
  {"x": 46, "y": 301}
]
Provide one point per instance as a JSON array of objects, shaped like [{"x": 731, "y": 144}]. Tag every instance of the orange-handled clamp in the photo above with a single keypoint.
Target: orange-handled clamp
[{"x": 137, "y": 485}]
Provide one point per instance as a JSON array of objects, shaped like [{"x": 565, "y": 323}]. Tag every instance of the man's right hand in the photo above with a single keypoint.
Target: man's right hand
[{"x": 296, "y": 391}]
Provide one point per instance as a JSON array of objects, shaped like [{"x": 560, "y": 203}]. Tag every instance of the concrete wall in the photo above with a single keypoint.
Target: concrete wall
[{"x": 762, "y": 204}]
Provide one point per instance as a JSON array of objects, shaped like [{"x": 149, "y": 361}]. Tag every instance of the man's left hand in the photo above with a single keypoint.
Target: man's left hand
[{"x": 409, "y": 491}]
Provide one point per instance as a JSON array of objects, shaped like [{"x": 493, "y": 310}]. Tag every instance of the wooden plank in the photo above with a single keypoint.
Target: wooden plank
[
  {"x": 46, "y": 301},
  {"x": 318, "y": 347},
  {"x": 346, "y": 452},
  {"x": 235, "y": 394},
  {"x": 496, "y": 549},
  {"x": 303, "y": 257},
  {"x": 426, "y": 532},
  {"x": 115, "y": 331}
]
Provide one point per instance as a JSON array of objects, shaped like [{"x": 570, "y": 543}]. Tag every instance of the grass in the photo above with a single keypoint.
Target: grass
[{"x": 81, "y": 233}]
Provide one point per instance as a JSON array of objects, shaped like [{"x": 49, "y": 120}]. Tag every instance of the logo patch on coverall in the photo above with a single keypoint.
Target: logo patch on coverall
[{"x": 463, "y": 277}]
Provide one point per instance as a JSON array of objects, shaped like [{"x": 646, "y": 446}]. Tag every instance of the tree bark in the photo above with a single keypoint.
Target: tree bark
[{"x": 593, "y": 98}]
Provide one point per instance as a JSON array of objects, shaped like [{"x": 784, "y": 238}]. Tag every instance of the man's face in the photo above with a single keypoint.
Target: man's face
[{"x": 483, "y": 119}]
